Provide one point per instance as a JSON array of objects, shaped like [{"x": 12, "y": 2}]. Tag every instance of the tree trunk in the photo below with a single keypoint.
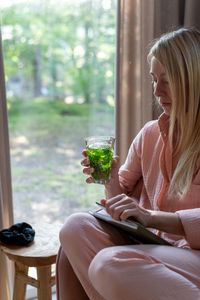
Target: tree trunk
[{"x": 36, "y": 72}]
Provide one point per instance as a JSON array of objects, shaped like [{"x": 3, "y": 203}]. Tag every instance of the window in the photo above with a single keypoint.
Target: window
[{"x": 59, "y": 67}]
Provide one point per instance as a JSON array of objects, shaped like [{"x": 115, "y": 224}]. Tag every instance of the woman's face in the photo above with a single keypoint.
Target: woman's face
[{"x": 160, "y": 85}]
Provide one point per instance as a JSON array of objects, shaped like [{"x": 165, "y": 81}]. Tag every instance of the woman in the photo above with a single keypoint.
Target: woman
[{"x": 159, "y": 185}]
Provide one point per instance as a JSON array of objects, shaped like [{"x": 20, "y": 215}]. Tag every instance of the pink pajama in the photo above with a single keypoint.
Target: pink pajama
[{"x": 96, "y": 262}]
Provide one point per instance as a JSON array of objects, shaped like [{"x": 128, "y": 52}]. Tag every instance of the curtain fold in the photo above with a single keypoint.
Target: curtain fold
[
  {"x": 139, "y": 22},
  {"x": 191, "y": 13},
  {"x": 6, "y": 207},
  {"x": 133, "y": 108}
]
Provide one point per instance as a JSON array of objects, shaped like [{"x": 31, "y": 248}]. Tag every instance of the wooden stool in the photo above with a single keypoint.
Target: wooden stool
[{"x": 41, "y": 254}]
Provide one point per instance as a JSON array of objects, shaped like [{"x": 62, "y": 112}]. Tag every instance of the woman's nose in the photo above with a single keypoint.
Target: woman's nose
[{"x": 157, "y": 89}]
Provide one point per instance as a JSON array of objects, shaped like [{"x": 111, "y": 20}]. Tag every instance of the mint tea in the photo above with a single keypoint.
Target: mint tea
[{"x": 100, "y": 153}]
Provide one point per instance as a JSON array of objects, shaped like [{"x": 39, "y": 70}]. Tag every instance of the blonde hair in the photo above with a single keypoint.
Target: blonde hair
[{"x": 179, "y": 53}]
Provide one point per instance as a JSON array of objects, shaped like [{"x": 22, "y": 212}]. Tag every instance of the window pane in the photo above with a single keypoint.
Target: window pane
[{"x": 59, "y": 65}]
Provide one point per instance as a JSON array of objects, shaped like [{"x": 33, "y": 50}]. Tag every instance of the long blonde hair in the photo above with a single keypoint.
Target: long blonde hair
[{"x": 179, "y": 53}]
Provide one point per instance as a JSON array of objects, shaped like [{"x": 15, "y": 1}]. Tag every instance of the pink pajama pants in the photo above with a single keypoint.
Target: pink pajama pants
[{"x": 97, "y": 262}]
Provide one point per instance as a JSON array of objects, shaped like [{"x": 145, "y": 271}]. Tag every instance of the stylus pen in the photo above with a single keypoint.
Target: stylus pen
[{"x": 101, "y": 205}]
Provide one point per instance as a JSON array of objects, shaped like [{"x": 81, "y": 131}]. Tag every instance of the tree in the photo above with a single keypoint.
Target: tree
[{"x": 65, "y": 49}]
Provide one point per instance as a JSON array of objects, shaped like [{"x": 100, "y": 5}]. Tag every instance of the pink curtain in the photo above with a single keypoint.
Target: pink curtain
[
  {"x": 133, "y": 87},
  {"x": 139, "y": 22}
]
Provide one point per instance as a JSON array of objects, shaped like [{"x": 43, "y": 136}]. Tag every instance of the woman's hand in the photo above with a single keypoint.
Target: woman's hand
[
  {"x": 114, "y": 171},
  {"x": 121, "y": 207},
  {"x": 87, "y": 170}
]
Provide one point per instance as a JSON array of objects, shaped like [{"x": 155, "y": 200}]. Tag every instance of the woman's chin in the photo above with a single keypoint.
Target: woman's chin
[{"x": 166, "y": 108}]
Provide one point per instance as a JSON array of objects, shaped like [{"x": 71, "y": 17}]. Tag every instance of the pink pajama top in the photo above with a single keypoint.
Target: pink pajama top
[{"x": 149, "y": 165}]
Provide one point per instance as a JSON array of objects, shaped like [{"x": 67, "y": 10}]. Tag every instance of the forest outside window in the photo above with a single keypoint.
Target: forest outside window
[{"x": 59, "y": 67}]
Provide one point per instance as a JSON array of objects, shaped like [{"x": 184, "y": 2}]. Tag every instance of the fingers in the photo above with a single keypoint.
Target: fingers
[
  {"x": 114, "y": 206},
  {"x": 86, "y": 163},
  {"x": 84, "y": 153},
  {"x": 121, "y": 207},
  {"x": 88, "y": 171},
  {"x": 115, "y": 168},
  {"x": 115, "y": 164},
  {"x": 112, "y": 202},
  {"x": 89, "y": 180},
  {"x": 115, "y": 161},
  {"x": 129, "y": 213},
  {"x": 103, "y": 202},
  {"x": 115, "y": 213}
]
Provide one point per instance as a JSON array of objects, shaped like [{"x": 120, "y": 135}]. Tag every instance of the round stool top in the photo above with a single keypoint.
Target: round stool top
[{"x": 42, "y": 251}]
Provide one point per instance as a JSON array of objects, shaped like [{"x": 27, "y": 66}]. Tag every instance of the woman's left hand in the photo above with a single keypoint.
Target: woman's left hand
[{"x": 121, "y": 207}]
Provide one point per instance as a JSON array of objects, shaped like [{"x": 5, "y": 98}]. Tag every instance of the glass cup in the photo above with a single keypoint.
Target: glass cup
[{"x": 100, "y": 150}]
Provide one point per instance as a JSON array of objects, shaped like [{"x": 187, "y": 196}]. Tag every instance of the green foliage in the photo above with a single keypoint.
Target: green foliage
[
  {"x": 37, "y": 106},
  {"x": 59, "y": 64},
  {"x": 46, "y": 152},
  {"x": 60, "y": 50},
  {"x": 17, "y": 106}
]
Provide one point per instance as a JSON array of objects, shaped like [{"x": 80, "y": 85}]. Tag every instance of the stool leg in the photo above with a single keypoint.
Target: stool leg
[
  {"x": 44, "y": 278},
  {"x": 19, "y": 291}
]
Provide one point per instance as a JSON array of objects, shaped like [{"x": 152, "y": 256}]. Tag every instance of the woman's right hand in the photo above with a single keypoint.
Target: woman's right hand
[
  {"x": 88, "y": 171},
  {"x": 115, "y": 168},
  {"x": 113, "y": 187},
  {"x": 86, "y": 164}
]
